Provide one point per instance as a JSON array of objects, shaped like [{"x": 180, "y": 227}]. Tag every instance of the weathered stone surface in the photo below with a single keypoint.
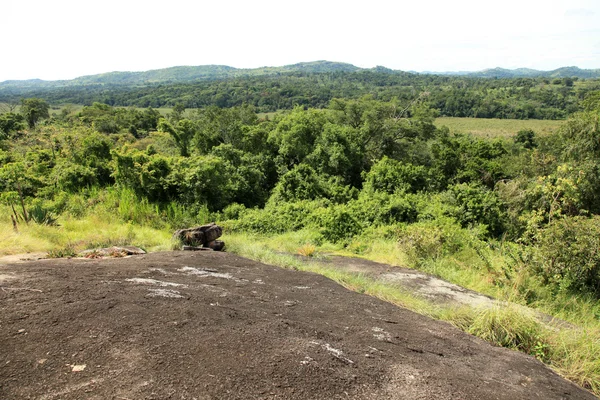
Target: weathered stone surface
[
  {"x": 217, "y": 245},
  {"x": 115, "y": 251},
  {"x": 200, "y": 236},
  {"x": 196, "y": 248}
]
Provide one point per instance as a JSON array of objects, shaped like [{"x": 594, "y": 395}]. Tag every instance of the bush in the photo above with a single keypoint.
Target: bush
[
  {"x": 568, "y": 256},
  {"x": 338, "y": 224},
  {"x": 477, "y": 205},
  {"x": 300, "y": 183},
  {"x": 526, "y": 137},
  {"x": 71, "y": 177},
  {"x": 391, "y": 176},
  {"x": 379, "y": 208},
  {"x": 277, "y": 218}
]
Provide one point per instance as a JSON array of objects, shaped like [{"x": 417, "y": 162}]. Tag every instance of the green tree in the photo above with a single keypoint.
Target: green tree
[
  {"x": 527, "y": 138},
  {"x": 183, "y": 133},
  {"x": 34, "y": 110},
  {"x": 9, "y": 124}
]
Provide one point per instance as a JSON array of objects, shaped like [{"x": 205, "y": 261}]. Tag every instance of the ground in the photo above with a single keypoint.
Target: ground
[{"x": 208, "y": 325}]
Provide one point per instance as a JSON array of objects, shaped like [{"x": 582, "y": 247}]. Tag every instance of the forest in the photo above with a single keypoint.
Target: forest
[
  {"x": 352, "y": 162},
  {"x": 453, "y": 96}
]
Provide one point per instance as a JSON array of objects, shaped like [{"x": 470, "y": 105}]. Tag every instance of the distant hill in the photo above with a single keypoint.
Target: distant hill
[
  {"x": 186, "y": 74},
  {"x": 183, "y": 74},
  {"x": 564, "y": 72}
]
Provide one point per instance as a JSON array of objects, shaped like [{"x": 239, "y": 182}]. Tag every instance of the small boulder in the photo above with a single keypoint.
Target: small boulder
[
  {"x": 200, "y": 236},
  {"x": 217, "y": 245}
]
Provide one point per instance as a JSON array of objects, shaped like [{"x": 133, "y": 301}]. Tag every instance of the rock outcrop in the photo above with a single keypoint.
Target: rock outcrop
[{"x": 200, "y": 238}]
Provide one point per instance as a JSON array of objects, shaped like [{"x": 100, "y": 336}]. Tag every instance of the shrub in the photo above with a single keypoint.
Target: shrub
[
  {"x": 568, "y": 256},
  {"x": 477, "y": 205},
  {"x": 390, "y": 176},
  {"x": 526, "y": 137},
  {"x": 72, "y": 177},
  {"x": 278, "y": 218},
  {"x": 300, "y": 183},
  {"x": 379, "y": 208},
  {"x": 338, "y": 224}
]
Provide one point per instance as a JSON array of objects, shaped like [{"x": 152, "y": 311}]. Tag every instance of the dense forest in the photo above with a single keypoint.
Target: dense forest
[
  {"x": 354, "y": 158},
  {"x": 455, "y": 96}
]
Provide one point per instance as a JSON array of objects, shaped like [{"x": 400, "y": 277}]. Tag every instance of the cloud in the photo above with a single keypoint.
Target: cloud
[{"x": 579, "y": 12}]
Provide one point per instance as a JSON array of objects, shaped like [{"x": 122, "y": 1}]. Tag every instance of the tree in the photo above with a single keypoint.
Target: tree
[
  {"x": 10, "y": 123},
  {"x": 34, "y": 110},
  {"x": 183, "y": 133},
  {"x": 527, "y": 138}
]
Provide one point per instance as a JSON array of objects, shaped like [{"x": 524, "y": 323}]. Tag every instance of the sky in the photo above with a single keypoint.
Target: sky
[{"x": 64, "y": 39}]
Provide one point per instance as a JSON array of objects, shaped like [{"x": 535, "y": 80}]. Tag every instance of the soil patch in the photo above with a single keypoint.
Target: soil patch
[{"x": 209, "y": 325}]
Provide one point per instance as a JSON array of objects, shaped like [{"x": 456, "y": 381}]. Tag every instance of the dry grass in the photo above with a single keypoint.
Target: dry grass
[
  {"x": 497, "y": 128},
  {"x": 307, "y": 250}
]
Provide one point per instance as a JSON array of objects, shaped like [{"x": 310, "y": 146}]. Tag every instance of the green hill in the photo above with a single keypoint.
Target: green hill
[{"x": 183, "y": 74}]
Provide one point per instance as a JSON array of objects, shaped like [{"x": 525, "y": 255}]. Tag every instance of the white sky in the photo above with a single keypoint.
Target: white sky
[{"x": 63, "y": 39}]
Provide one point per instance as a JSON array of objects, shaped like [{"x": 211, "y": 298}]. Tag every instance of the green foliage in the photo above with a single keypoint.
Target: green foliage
[
  {"x": 380, "y": 208},
  {"x": 296, "y": 133},
  {"x": 338, "y": 224},
  {"x": 222, "y": 126},
  {"x": 34, "y": 110},
  {"x": 147, "y": 175},
  {"x": 183, "y": 133},
  {"x": 392, "y": 176},
  {"x": 477, "y": 205},
  {"x": 10, "y": 123},
  {"x": 337, "y": 152},
  {"x": 465, "y": 159},
  {"x": 582, "y": 136},
  {"x": 109, "y": 120},
  {"x": 568, "y": 254},
  {"x": 42, "y": 215},
  {"x": 300, "y": 183},
  {"x": 431, "y": 239},
  {"x": 279, "y": 218},
  {"x": 526, "y": 137},
  {"x": 71, "y": 177},
  {"x": 267, "y": 90}
]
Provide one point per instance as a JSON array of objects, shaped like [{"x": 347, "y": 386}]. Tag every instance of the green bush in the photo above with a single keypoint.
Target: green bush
[
  {"x": 380, "y": 208},
  {"x": 478, "y": 205},
  {"x": 300, "y": 183},
  {"x": 568, "y": 256},
  {"x": 71, "y": 177},
  {"x": 526, "y": 137},
  {"x": 391, "y": 176},
  {"x": 278, "y": 218},
  {"x": 338, "y": 224}
]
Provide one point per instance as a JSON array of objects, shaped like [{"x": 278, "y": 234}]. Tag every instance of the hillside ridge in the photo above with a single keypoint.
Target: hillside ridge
[{"x": 213, "y": 72}]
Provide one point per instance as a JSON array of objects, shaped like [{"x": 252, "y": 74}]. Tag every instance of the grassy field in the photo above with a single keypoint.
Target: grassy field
[{"x": 494, "y": 128}]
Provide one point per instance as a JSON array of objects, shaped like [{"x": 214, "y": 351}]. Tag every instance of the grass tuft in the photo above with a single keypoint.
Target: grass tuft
[{"x": 307, "y": 250}]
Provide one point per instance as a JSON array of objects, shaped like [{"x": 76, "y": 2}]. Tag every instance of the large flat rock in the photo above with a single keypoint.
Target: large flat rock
[{"x": 208, "y": 325}]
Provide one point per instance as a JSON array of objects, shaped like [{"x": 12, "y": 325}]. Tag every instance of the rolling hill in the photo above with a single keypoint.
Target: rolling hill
[{"x": 182, "y": 74}]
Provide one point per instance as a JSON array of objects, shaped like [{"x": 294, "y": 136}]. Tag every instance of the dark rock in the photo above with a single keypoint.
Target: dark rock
[
  {"x": 217, "y": 245},
  {"x": 201, "y": 236},
  {"x": 196, "y": 248}
]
